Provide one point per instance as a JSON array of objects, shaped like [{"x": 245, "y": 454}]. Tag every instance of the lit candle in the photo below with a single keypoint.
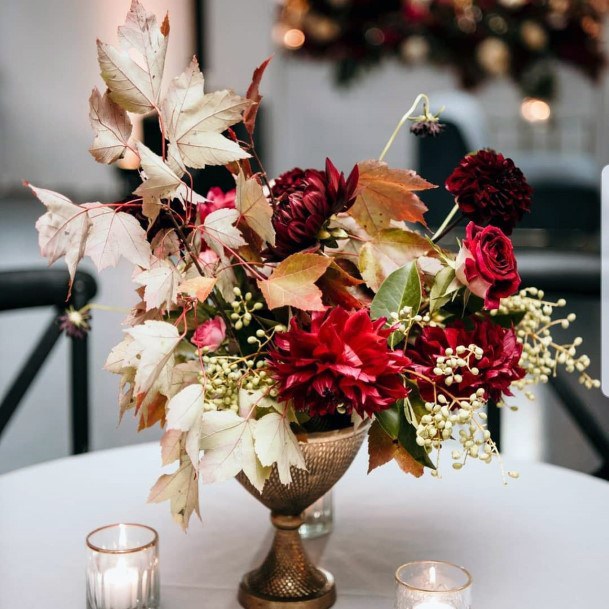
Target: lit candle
[{"x": 120, "y": 586}]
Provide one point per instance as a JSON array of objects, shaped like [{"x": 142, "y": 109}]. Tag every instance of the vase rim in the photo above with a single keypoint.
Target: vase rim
[{"x": 336, "y": 434}]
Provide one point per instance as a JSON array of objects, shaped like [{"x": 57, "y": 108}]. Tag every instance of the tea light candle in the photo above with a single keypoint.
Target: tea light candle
[
  {"x": 432, "y": 585},
  {"x": 120, "y": 586},
  {"x": 123, "y": 568}
]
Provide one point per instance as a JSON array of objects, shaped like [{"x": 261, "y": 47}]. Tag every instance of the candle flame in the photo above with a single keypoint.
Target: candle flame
[{"x": 432, "y": 576}]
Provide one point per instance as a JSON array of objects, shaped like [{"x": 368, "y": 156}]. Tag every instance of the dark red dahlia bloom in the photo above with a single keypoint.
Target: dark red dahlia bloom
[
  {"x": 306, "y": 200},
  {"x": 494, "y": 368},
  {"x": 490, "y": 189},
  {"x": 340, "y": 360}
]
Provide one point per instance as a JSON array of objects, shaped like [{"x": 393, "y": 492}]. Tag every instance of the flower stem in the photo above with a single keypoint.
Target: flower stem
[
  {"x": 444, "y": 227},
  {"x": 403, "y": 120}
]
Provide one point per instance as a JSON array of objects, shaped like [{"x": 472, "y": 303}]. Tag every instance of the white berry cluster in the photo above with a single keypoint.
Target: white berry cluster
[
  {"x": 541, "y": 355},
  {"x": 225, "y": 375},
  {"x": 243, "y": 308}
]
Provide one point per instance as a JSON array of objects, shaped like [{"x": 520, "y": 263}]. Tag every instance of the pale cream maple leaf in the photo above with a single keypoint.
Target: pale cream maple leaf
[
  {"x": 194, "y": 120},
  {"x": 160, "y": 284}
]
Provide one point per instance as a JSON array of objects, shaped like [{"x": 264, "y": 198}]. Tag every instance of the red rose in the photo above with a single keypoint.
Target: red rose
[
  {"x": 486, "y": 264},
  {"x": 491, "y": 355},
  {"x": 490, "y": 189},
  {"x": 340, "y": 360}
]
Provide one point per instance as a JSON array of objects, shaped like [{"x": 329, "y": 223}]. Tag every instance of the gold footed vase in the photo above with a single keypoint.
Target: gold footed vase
[{"x": 287, "y": 579}]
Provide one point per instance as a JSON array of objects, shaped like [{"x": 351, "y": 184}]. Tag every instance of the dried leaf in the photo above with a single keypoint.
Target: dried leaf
[
  {"x": 114, "y": 234},
  {"x": 112, "y": 128},
  {"x": 275, "y": 443},
  {"x": 194, "y": 120},
  {"x": 161, "y": 182},
  {"x": 381, "y": 447},
  {"x": 160, "y": 284},
  {"x": 407, "y": 462},
  {"x": 389, "y": 250},
  {"x": 182, "y": 489},
  {"x": 292, "y": 283},
  {"x": 253, "y": 93},
  {"x": 228, "y": 444},
  {"x": 219, "y": 230},
  {"x": 133, "y": 87},
  {"x": 386, "y": 194},
  {"x": 62, "y": 230},
  {"x": 170, "y": 446},
  {"x": 337, "y": 286},
  {"x": 198, "y": 287},
  {"x": 255, "y": 208}
]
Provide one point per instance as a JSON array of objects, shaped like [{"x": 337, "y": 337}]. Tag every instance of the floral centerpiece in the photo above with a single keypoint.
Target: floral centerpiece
[{"x": 312, "y": 302}]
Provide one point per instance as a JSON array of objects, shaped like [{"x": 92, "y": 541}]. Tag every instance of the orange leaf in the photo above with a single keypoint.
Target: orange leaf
[
  {"x": 338, "y": 286},
  {"x": 381, "y": 448},
  {"x": 386, "y": 194},
  {"x": 292, "y": 283},
  {"x": 198, "y": 287},
  {"x": 407, "y": 462}
]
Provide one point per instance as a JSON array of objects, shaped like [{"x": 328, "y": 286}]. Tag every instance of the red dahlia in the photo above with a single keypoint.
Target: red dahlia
[
  {"x": 495, "y": 370},
  {"x": 490, "y": 189},
  {"x": 340, "y": 359},
  {"x": 306, "y": 200}
]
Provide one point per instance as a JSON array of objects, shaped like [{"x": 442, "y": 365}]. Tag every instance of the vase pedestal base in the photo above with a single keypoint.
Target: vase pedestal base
[{"x": 324, "y": 598}]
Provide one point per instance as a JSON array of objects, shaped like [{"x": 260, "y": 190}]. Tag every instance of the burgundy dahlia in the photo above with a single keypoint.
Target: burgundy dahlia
[
  {"x": 340, "y": 359},
  {"x": 496, "y": 368},
  {"x": 490, "y": 189},
  {"x": 306, "y": 200}
]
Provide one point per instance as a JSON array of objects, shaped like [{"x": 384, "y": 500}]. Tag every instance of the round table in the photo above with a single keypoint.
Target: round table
[{"x": 541, "y": 542}]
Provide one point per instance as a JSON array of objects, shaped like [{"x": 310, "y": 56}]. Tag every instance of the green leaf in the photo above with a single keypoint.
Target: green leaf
[
  {"x": 442, "y": 288},
  {"x": 408, "y": 433},
  {"x": 394, "y": 423},
  {"x": 402, "y": 288},
  {"x": 508, "y": 319}
]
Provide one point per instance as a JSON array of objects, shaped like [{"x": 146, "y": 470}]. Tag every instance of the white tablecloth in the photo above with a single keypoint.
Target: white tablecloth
[{"x": 541, "y": 542}]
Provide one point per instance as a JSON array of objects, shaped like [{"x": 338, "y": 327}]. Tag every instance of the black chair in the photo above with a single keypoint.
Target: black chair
[
  {"x": 576, "y": 276},
  {"x": 25, "y": 289}
]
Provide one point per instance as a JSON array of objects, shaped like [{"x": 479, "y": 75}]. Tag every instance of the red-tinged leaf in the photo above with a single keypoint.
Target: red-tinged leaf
[
  {"x": 387, "y": 251},
  {"x": 292, "y": 283},
  {"x": 253, "y": 93},
  {"x": 338, "y": 287},
  {"x": 112, "y": 128},
  {"x": 170, "y": 446},
  {"x": 407, "y": 462},
  {"x": 386, "y": 194},
  {"x": 381, "y": 447},
  {"x": 180, "y": 488}
]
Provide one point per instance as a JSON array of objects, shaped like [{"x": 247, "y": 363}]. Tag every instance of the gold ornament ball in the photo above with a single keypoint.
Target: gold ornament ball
[
  {"x": 494, "y": 56},
  {"x": 414, "y": 49},
  {"x": 533, "y": 35},
  {"x": 320, "y": 28}
]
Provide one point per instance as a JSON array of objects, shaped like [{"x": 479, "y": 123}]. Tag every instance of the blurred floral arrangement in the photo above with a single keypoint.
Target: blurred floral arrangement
[
  {"x": 307, "y": 303},
  {"x": 480, "y": 39}
]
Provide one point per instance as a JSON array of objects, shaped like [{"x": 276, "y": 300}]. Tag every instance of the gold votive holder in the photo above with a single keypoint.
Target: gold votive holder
[
  {"x": 123, "y": 567},
  {"x": 432, "y": 584}
]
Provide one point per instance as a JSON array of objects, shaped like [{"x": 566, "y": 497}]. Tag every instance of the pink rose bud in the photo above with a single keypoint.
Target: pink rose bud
[{"x": 210, "y": 334}]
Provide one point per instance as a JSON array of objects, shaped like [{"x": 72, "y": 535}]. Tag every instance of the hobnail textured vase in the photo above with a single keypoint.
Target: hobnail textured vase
[{"x": 287, "y": 579}]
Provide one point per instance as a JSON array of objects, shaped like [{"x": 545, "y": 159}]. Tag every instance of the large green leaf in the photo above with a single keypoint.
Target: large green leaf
[{"x": 401, "y": 289}]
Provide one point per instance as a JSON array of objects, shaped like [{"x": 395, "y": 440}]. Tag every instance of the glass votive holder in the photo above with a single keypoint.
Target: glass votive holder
[
  {"x": 431, "y": 584},
  {"x": 123, "y": 567},
  {"x": 318, "y": 518}
]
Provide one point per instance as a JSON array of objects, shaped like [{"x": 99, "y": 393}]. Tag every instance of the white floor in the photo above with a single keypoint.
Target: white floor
[{"x": 539, "y": 431}]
